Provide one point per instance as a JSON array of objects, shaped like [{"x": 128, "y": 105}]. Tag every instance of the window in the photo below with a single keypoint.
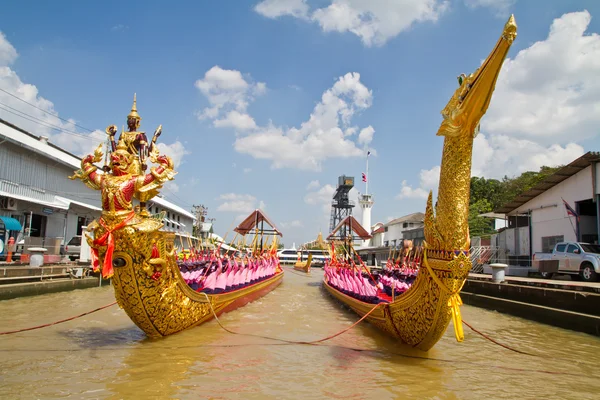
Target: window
[
  {"x": 386, "y": 229},
  {"x": 405, "y": 225},
  {"x": 561, "y": 248},
  {"x": 548, "y": 243},
  {"x": 155, "y": 210},
  {"x": 571, "y": 249},
  {"x": 591, "y": 248},
  {"x": 178, "y": 220}
]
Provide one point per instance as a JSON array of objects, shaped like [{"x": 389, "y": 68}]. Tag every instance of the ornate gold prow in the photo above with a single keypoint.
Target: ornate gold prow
[
  {"x": 449, "y": 230},
  {"x": 472, "y": 98}
]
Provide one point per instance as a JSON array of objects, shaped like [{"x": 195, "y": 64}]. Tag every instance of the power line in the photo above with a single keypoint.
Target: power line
[
  {"x": 38, "y": 121},
  {"x": 41, "y": 109}
]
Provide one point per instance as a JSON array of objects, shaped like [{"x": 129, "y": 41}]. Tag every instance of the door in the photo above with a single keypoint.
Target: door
[
  {"x": 559, "y": 254},
  {"x": 573, "y": 257}
]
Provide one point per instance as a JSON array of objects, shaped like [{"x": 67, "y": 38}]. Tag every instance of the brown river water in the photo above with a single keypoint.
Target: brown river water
[{"x": 105, "y": 356}]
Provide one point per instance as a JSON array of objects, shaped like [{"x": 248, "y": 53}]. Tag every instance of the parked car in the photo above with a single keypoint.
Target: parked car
[
  {"x": 73, "y": 248},
  {"x": 580, "y": 260}
]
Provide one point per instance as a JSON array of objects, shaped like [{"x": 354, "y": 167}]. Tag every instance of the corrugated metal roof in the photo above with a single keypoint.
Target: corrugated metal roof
[
  {"x": 55, "y": 204},
  {"x": 167, "y": 204},
  {"x": 16, "y": 134},
  {"x": 68, "y": 202},
  {"x": 550, "y": 181}
]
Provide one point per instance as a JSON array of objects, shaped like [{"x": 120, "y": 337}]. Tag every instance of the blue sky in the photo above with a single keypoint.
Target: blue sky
[{"x": 267, "y": 103}]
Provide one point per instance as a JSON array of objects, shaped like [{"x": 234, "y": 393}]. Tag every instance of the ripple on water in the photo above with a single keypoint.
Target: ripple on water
[{"x": 103, "y": 355}]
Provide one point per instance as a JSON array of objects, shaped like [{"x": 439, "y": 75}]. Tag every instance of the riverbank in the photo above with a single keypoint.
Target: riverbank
[
  {"x": 561, "y": 303},
  {"x": 21, "y": 281}
]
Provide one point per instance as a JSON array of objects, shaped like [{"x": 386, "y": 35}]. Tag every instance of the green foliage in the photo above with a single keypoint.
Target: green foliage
[
  {"x": 479, "y": 226},
  {"x": 490, "y": 194}
]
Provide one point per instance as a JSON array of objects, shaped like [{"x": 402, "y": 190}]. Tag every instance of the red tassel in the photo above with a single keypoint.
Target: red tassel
[
  {"x": 109, "y": 240},
  {"x": 95, "y": 260}
]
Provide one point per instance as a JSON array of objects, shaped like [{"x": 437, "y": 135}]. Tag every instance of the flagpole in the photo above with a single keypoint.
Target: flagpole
[{"x": 367, "y": 175}]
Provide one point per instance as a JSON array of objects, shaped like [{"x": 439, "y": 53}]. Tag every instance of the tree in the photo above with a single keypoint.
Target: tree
[{"x": 480, "y": 226}]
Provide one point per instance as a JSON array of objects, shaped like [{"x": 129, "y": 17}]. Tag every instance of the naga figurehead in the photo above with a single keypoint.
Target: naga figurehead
[
  {"x": 471, "y": 100},
  {"x": 448, "y": 230}
]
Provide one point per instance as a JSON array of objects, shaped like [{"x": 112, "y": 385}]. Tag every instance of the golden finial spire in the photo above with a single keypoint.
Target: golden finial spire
[{"x": 134, "y": 113}]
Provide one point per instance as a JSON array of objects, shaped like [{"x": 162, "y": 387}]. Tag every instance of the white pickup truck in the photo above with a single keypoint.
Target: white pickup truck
[{"x": 580, "y": 260}]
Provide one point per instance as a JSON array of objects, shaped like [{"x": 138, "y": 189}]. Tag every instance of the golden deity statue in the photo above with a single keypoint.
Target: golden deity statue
[{"x": 122, "y": 180}]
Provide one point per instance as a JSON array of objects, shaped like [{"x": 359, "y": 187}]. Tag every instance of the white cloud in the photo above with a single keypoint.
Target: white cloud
[
  {"x": 174, "y": 150},
  {"x": 322, "y": 196},
  {"x": 229, "y": 95},
  {"x": 407, "y": 192},
  {"x": 550, "y": 91},
  {"x": 321, "y": 136},
  {"x": 233, "y": 202},
  {"x": 278, "y": 8},
  {"x": 262, "y": 205},
  {"x": 8, "y": 54},
  {"x": 247, "y": 170},
  {"x": 366, "y": 135},
  {"x": 429, "y": 179},
  {"x": 373, "y": 21},
  {"x": 502, "y": 155},
  {"x": 546, "y": 100},
  {"x": 21, "y": 99},
  {"x": 235, "y": 119},
  {"x": 313, "y": 185}
]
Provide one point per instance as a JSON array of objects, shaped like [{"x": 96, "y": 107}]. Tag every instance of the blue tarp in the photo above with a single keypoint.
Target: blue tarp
[{"x": 11, "y": 224}]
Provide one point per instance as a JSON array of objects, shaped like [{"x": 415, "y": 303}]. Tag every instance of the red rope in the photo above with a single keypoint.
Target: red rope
[
  {"x": 498, "y": 343},
  {"x": 291, "y": 341},
  {"x": 58, "y": 322}
]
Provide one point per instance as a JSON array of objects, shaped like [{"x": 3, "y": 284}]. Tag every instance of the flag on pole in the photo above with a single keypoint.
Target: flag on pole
[
  {"x": 570, "y": 210},
  {"x": 572, "y": 213},
  {"x": 368, "y": 153},
  {"x": 364, "y": 177}
]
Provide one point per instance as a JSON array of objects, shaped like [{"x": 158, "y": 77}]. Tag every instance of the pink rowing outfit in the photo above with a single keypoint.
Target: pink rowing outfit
[{"x": 210, "y": 280}]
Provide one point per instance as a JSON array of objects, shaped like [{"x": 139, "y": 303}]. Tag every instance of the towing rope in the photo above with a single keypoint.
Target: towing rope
[
  {"x": 285, "y": 340},
  {"x": 58, "y": 322}
]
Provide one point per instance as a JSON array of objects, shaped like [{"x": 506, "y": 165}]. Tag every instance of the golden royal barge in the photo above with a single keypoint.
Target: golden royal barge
[
  {"x": 420, "y": 315},
  {"x": 129, "y": 246}
]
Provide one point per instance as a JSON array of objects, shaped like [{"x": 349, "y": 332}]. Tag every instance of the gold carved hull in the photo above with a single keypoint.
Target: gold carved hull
[
  {"x": 420, "y": 316},
  {"x": 166, "y": 304}
]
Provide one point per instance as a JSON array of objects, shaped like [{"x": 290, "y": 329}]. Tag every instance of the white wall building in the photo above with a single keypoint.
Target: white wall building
[
  {"x": 537, "y": 218},
  {"x": 391, "y": 235}
]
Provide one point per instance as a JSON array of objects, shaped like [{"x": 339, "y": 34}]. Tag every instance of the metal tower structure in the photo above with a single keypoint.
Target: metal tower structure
[{"x": 341, "y": 206}]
